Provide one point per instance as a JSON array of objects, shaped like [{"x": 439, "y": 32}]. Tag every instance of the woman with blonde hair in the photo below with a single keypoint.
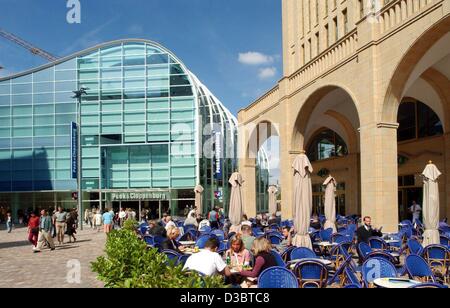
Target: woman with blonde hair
[
  {"x": 171, "y": 242},
  {"x": 263, "y": 258},
  {"x": 237, "y": 254}
]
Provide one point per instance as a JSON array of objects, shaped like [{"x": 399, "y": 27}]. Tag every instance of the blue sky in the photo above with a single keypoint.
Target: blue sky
[{"x": 233, "y": 46}]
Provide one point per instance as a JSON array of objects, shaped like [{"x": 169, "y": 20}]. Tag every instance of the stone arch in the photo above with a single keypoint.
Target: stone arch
[
  {"x": 301, "y": 123},
  {"x": 407, "y": 65},
  {"x": 441, "y": 85},
  {"x": 258, "y": 134},
  {"x": 316, "y": 133}
]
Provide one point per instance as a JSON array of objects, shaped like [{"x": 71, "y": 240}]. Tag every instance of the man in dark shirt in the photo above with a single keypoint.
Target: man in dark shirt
[
  {"x": 156, "y": 229},
  {"x": 365, "y": 232}
]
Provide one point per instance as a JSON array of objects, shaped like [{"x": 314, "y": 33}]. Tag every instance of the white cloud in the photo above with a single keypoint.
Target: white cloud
[
  {"x": 268, "y": 72},
  {"x": 255, "y": 58}
]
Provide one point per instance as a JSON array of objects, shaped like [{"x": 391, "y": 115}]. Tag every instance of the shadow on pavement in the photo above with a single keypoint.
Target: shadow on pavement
[{"x": 14, "y": 244}]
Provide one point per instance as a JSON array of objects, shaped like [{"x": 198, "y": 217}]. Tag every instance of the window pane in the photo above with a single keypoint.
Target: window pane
[
  {"x": 180, "y": 91},
  {"x": 22, "y": 88},
  {"x": 66, "y": 75},
  {"x": 43, "y": 87},
  {"x": 158, "y": 59},
  {"x": 429, "y": 123},
  {"x": 407, "y": 121}
]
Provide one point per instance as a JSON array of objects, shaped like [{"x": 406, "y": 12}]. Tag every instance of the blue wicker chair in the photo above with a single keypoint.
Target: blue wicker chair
[
  {"x": 325, "y": 235},
  {"x": 363, "y": 250},
  {"x": 417, "y": 268},
  {"x": 286, "y": 255},
  {"x": 182, "y": 260},
  {"x": 173, "y": 256},
  {"x": 377, "y": 243},
  {"x": 375, "y": 268},
  {"x": 274, "y": 239},
  {"x": 438, "y": 258},
  {"x": 277, "y": 278},
  {"x": 351, "y": 278},
  {"x": 302, "y": 253},
  {"x": 414, "y": 247},
  {"x": 149, "y": 240},
  {"x": 311, "y": 273},
  {"x": 201, "y": 241},
  {"x": 278, "y": 258}
]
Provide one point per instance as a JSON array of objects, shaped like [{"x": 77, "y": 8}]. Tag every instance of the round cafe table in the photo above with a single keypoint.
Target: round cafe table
[
  {"x": 392, "y": 241},
  {"x": 395, "y": 283},
  {"x": 187, "y": 243},
  {"x": 325, "y": 247},
  {"x": 189, "y": 251}
]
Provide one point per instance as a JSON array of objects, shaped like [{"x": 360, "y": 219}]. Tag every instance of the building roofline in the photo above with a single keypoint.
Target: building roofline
[{"x": 87, "y": 51}]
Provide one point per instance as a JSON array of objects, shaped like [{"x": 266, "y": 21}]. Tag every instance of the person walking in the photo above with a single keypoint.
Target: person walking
[
  {"x": 33, "y": 229},
  {"x": 60, "y": 222},
  {"x": 213, "y": 218},
  {"x": 53, "y": 232},
  {"x": 107, "y": 221},
  {"x": 9, "y": 223},
  {"x": 122, "y": 217},
  {"x": 97, "y": 220},
  {"x": 45, "y": 226},
  {"x": 71, "y": 226}
]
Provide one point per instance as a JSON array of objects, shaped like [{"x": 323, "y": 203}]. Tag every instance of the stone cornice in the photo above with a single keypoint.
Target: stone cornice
[{"x": 388, "y": 125}]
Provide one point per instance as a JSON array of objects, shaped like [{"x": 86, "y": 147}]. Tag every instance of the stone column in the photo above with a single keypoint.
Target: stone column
[
  {"x": 247, "y": 168},
  {"x": 379, "y": 175},
  {"x": 352, "y": 186}
]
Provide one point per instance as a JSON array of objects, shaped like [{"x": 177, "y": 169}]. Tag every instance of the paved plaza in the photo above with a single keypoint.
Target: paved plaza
[{"x": 20, "y": 267}]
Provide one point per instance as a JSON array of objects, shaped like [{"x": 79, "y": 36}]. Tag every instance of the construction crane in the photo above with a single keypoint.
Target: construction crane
[{"x": 34, "y": 50}]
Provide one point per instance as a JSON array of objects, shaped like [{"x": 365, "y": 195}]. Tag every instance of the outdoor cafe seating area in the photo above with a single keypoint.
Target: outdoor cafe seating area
[{"x": 336, "y": 260}]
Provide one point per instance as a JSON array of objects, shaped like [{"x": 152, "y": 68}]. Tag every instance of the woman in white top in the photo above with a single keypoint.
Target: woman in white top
[
  {"x": 204, "y": 223},
  {"x": 191, "y": 220},
  {"x": 97, "y": 220}
]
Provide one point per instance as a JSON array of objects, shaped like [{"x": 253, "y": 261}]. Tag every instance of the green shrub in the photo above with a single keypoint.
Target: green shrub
[
  {"x": 129, "y": 264},
  {"x": 130, "y": 224}
]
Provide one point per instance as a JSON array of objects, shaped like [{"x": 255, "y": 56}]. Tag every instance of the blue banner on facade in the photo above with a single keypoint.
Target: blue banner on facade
[
  {"x": 218, "y": 156},
  {"x": 74, "y": 149}
]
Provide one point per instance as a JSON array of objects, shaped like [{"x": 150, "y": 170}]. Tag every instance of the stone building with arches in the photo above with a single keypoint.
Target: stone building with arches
[{"x": 366, "y": 93}]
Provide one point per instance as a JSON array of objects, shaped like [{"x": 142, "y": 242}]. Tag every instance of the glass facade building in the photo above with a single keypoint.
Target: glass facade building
[{"x": 150, "y": 130}]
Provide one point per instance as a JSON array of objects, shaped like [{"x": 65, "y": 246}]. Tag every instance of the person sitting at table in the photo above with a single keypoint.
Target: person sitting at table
[
  {"x": 287, "y": 238},
  {"x": 204, "y": 223},
  {"x": 191, "y": 220},
  {"x": 247, "y": 237},
  {"x": 315, "y": 222},
  {"x": 208, "y": 261},
  {"x": 171, "y": 242},
  {"x": 366, "y": 231},
  {"x": 273, "y": 220},
  {"x": 263, "y": 258},
  {"x": 239, "y": 256},
  {"x": 155, "y": 229},
  {"x": 245, "y": 221}
]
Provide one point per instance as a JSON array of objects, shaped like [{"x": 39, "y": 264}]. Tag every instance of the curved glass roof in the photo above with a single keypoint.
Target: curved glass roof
[{"x": 139, "y": 93}]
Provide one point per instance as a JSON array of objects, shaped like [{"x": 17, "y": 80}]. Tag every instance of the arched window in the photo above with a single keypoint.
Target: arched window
[
  {"x": 326, "y": 144},
  {"x": 417, "y": 120}
]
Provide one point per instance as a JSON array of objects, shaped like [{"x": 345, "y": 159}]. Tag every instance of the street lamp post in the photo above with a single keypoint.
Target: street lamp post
[{"x": 79, "y": 94}]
